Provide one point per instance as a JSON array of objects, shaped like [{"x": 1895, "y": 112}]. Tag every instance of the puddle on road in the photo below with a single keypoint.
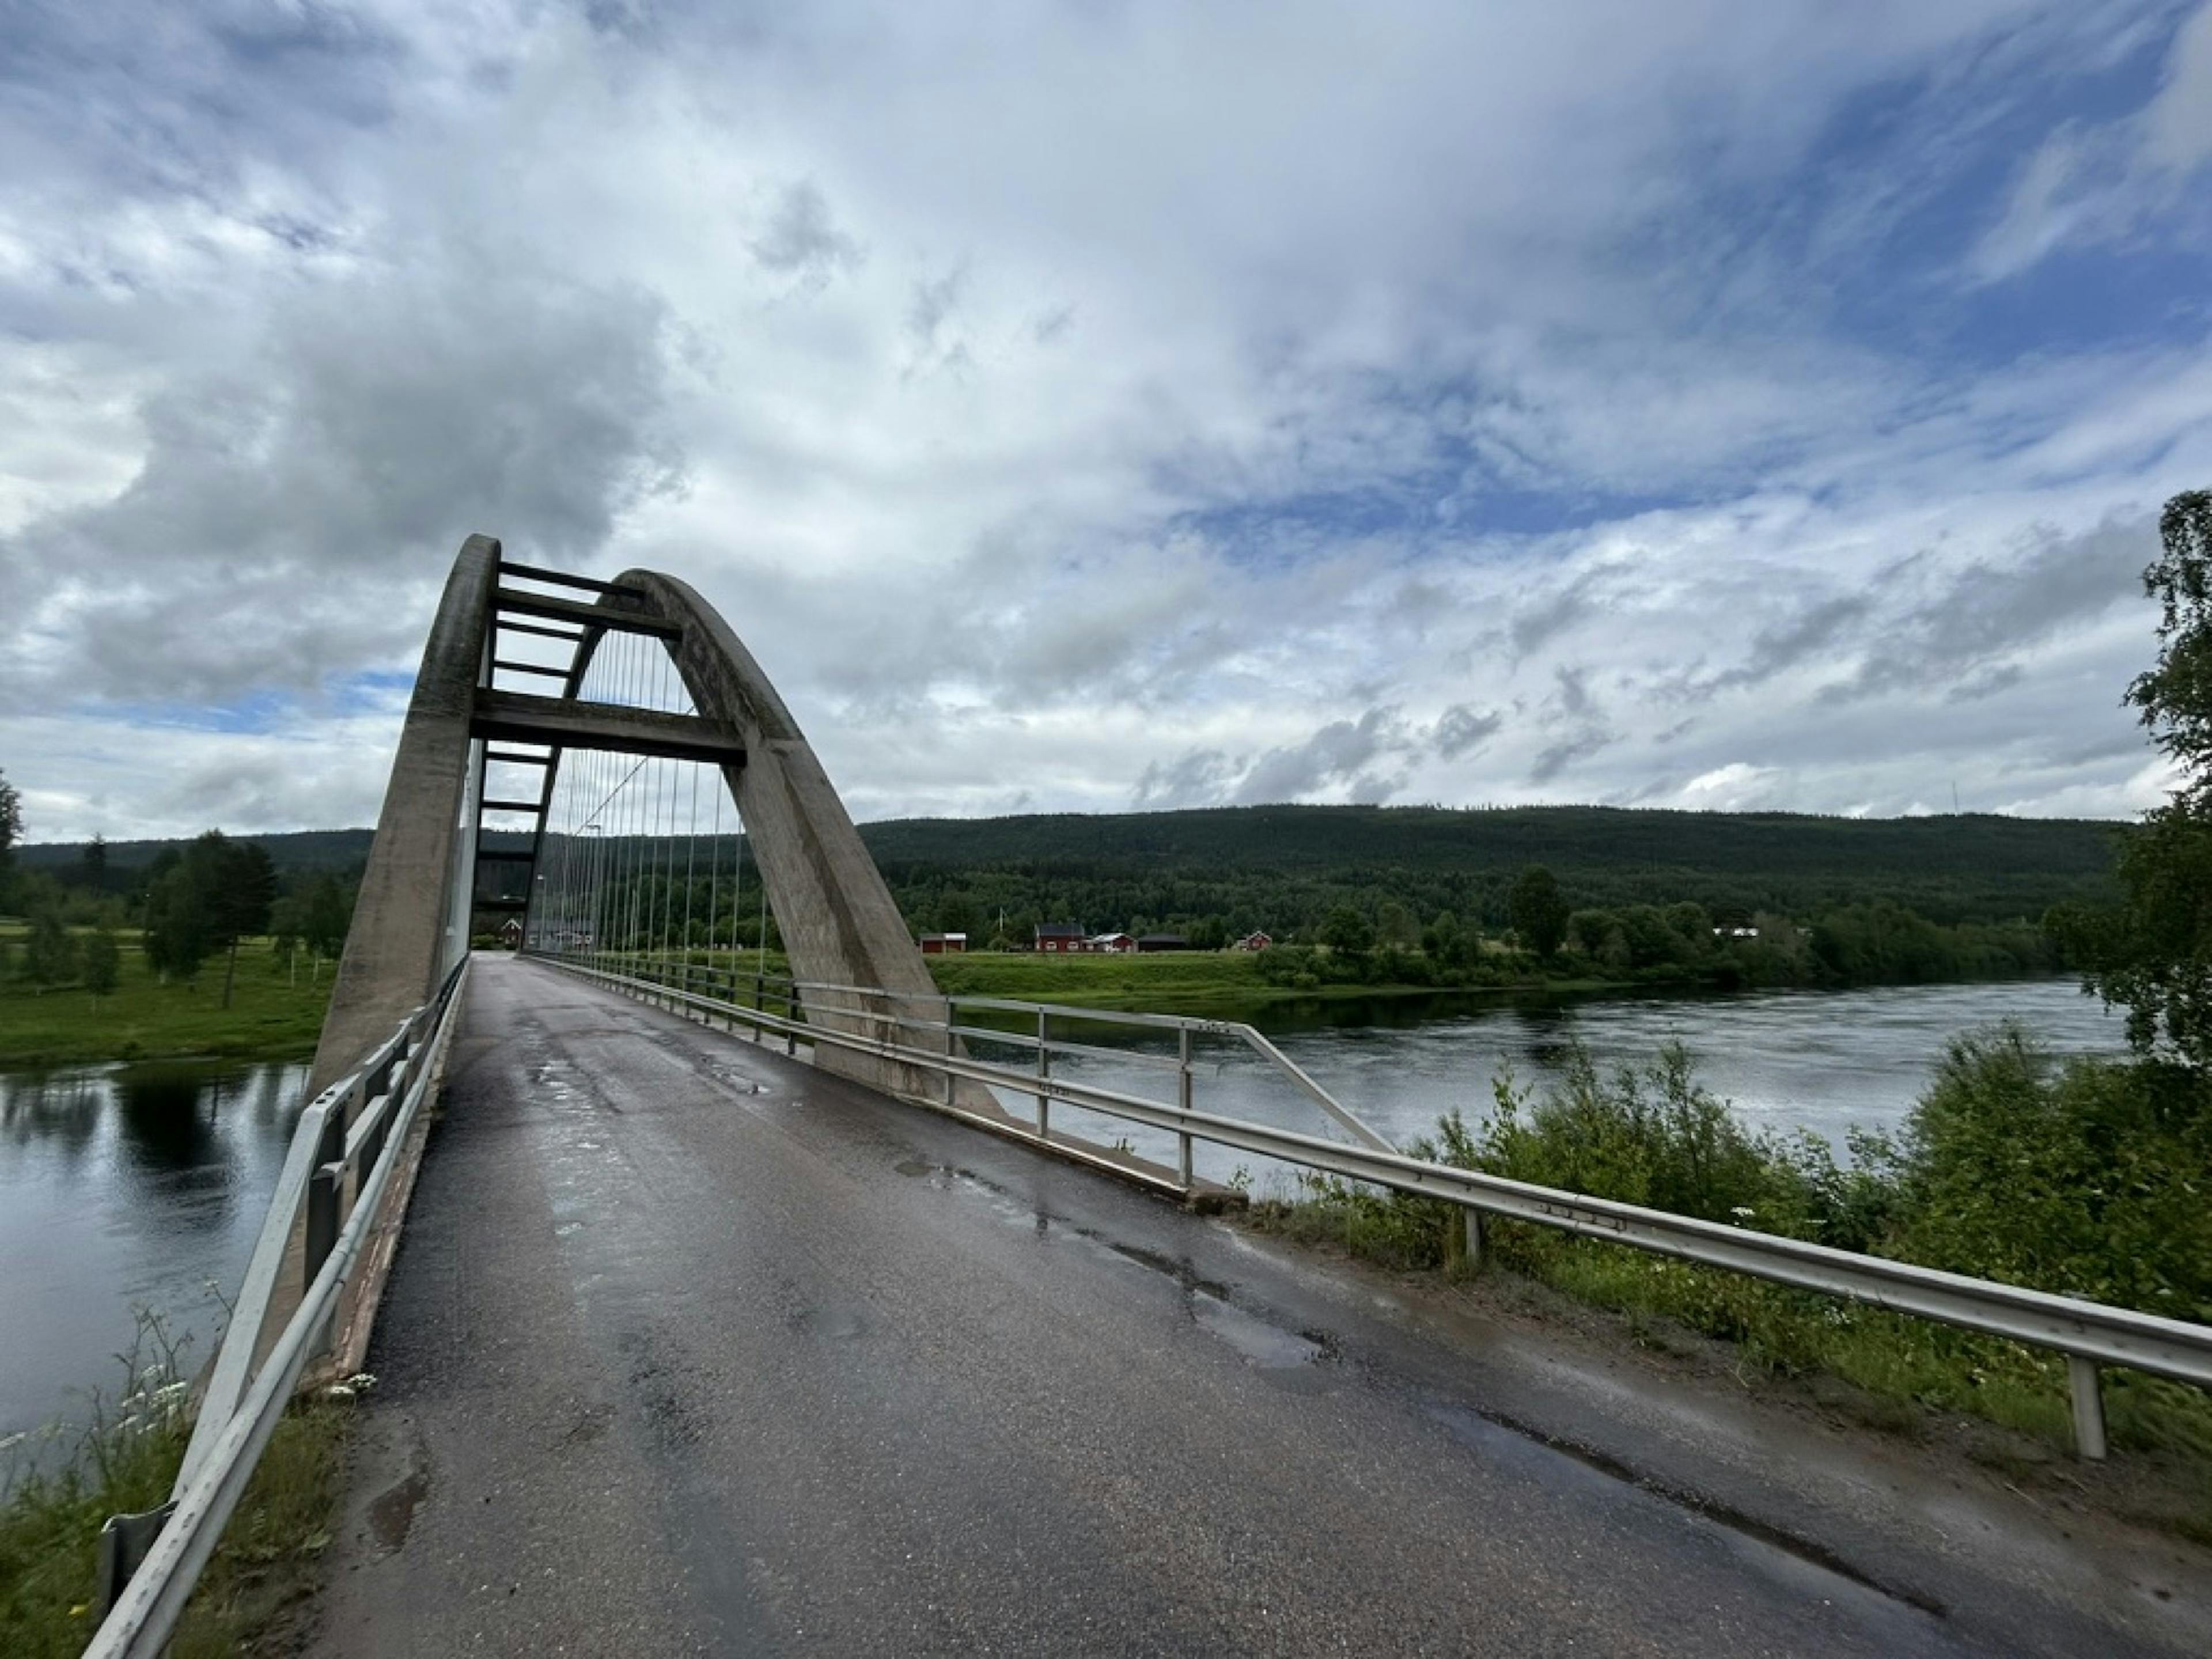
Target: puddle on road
[
  {"x": 1267, "y": 1346},
  {"x": 391, "y": 1512},
  {"x": 1258, "y": 1341}
]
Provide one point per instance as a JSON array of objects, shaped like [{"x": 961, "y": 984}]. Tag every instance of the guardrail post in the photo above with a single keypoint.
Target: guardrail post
[
  {"x": 326, "y": 1185},
  {"x": 1463, "y": 1239},
  {"x": 324, "y": 1188},
  {"x": 125, "y": 1541},
  {"x": 1043, "y": 1071},
  {"x": 372, "y": 1147},
  {"x": 1182, "y": 1103},
  {"x": 2089, "y": 1408}
]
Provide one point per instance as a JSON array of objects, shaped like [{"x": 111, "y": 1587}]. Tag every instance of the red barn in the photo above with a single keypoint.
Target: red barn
[{"x": 1061, "y": 937}]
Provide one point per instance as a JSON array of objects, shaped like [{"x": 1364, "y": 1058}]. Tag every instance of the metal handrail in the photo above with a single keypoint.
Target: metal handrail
[
  {"x": 363, "y": 1118},
  {"x": 2089, "y": 1333},
  {"x": 1189, "y": 1025}
]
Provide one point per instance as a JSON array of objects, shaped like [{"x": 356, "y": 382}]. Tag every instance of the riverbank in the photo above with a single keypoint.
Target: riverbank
[
  {"x": 1246, "y": 986},
  {"x": 275, "y": 1014},
  {"x": 125, "y": 1463},
  {"x": 1999, "y": 1174},
  {"x": 1203, "y": 984}
]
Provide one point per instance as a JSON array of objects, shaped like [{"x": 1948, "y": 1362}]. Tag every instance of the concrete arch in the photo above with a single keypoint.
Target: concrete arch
[
  {"x": 411, "y": 918},
  {"x": 837, "y": 917},
  {"x": 833, "y": 910}
]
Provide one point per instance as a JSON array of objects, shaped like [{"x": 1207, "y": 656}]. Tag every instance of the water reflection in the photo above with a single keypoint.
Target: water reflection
[
  {"x": 60, "y": 1112},
  {"x": 161, "y": 1115},
  {"x": 124, "y": 1186}
]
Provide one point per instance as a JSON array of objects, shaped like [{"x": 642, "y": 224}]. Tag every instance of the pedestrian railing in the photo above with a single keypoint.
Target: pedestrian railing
[
  {"x": 328, "y": 1197},
  {"x": 869, "y": 1020}
]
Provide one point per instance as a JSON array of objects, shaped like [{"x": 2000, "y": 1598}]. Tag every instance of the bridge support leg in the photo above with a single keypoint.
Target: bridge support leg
[{"x": 2089, "y": 1408}]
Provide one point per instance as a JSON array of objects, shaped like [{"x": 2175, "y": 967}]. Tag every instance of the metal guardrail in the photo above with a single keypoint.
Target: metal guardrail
[
  {"x": 2089, "y": 1333},
  {"x": 335, "y": 1175},
  {"x": 881, "y": 1006}
]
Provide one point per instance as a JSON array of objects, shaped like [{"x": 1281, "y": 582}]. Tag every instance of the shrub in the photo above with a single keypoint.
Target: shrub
[{"x": 2089, "y": 1178}]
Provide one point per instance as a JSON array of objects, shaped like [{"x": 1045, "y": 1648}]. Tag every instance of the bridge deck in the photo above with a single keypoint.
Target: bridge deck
[{"x": 690, "y": 1348}]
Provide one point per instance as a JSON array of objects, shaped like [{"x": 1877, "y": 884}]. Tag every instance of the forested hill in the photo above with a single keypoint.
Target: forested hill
[
  {"x": 1280, "y": 867},
  {"x": 1247, "y": 861},
  {"x": 341, "y": 851}
]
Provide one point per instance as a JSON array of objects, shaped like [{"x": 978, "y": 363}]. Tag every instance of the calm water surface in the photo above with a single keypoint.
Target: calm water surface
[
  {"x": 125, "y": 1186},
  {"x": 1819, "y": 1061}
]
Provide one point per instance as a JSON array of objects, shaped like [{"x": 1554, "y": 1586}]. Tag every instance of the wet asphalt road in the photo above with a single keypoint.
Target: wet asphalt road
[{"x": 691, "y": 1349}]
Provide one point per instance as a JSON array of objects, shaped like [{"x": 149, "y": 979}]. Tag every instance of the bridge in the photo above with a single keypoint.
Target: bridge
[{"x": 721, "y": 1302}]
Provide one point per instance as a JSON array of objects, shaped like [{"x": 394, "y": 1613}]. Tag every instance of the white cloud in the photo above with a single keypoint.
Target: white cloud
[
  {"x": 1084, "y": 405},
  {"x": 2104, "y": 180}
]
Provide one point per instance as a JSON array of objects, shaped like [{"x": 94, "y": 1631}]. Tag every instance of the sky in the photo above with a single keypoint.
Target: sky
[{"x": 1115, "y": 405}]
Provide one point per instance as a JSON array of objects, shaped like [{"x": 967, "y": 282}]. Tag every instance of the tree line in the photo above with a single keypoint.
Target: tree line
[{"x": 191, "y": 903}]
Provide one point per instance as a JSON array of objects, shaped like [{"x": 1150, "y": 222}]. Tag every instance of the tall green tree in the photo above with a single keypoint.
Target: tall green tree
[
  {"x": 2152, "y": 953},
  {"x": 1538, "y": 910},
  {"x": 50, "y": 955},
  {"x": 241, "y": 881},
  {"x": 1348, "y": 932},
  {"x": 328, "y": 913},
  {"x": 11, "y": 830},
  {"x": 179, "y": 932},
  {"x": 92, "y": 864},
  {"x": 102, "y": 963}
]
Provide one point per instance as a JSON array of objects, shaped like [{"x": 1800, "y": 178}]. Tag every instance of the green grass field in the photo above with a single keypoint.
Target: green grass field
[
  {"x": 1208, "y": 984},
  {"x": 1203, "y": 984},
  {"x": 270, "y": 1015}
]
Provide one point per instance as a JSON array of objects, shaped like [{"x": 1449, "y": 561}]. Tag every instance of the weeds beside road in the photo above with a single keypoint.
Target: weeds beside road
[
  {"x": 123, "y": 1462},
  {"x": 2091, "y": 1178}
]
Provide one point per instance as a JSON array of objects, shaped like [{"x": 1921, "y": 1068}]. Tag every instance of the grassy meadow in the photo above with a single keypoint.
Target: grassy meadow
[
  {"x": 275, "y": 1011},
  {"x": 1205, "y": 984}
]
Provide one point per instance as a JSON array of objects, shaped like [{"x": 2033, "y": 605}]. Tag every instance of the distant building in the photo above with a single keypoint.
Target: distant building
[
  {"x": 940, "y": 945},
  {"x": 1161, "y": 942},
  {"x": 510, "y": 932},
  {"x": 1746, "y": 932},
  {"x": 1112, "y": 945},
  {"x": 1254, "y": 941},
  {"x": 1060, "y": 937}
]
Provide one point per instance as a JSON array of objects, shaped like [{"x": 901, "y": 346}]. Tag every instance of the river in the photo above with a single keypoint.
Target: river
[
  {"x": 1822, "y": 1060},
  {"x": 136, "y": 1186},
  {"x": 125, "y": 1187}
]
